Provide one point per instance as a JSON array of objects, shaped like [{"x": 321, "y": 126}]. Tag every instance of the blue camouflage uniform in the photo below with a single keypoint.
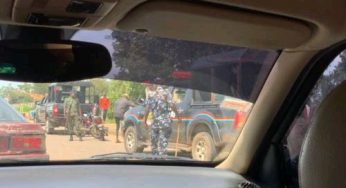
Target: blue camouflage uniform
[{"x": 160, "y": 104}]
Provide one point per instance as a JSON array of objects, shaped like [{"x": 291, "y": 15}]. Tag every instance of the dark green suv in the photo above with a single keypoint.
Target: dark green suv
[{"x": 209, "y": 123}]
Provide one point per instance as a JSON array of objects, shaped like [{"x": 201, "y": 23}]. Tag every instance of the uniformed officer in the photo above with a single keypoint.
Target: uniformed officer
[
  {"x": 72, "y": 113},
  {"x": 160, "y": 104}
]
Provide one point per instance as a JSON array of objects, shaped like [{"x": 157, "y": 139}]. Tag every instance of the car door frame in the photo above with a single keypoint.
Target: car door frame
[
  {"x": 41, "y": 110},
  {"x": 271, "y": 156}
]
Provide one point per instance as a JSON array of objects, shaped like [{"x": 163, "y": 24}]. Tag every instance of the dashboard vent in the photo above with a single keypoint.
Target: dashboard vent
[
  {"x": 82, "y": 6},
  {"x": 41, "y": 19},
  {"x": 248, "y": 184}
]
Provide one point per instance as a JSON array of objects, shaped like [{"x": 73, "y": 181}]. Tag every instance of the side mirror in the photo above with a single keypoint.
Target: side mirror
[
  {"x": 37, "y": 102},
  {"x": 141, "y": 101}
]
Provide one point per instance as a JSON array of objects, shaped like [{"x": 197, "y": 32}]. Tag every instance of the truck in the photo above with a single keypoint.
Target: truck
[
  {"x": 50, "y": 110},
  {"x": 209, "y": 123}
]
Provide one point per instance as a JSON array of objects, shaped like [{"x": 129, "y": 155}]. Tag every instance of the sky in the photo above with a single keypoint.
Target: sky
[
  {"x": 102, "y": 37},
  {"x": 99, "y": 37}
]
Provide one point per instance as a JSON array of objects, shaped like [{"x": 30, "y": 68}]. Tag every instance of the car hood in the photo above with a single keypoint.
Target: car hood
[
  {"x": 18, "y": 128},
  {"x": 135, "y": 110}
]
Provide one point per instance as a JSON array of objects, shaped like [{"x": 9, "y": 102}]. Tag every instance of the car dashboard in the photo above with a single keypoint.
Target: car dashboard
[{"x": 128, "y": 176}]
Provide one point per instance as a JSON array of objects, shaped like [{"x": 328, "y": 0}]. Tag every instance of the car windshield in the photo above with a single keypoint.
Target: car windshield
[{"x": 163, "y": 99}]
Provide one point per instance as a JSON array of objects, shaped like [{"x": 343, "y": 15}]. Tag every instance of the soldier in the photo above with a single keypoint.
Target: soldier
[
  {"x": 160, "y": 104},
  {"x": 73, "y": 113}
]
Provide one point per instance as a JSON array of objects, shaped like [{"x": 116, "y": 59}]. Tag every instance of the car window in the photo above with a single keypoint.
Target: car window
[
  {"x": 334, "y": 75},
  {"x": 8, "y": 114},
  {"x": 163, "y": 99},
  {"x": 331, "y": 78},
  {"x": 179, "y": 95},
  {"x": 201, "y": 97}
]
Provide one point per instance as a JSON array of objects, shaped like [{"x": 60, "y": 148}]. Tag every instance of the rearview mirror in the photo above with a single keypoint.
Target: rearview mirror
[{"x": 57, "y": 61}]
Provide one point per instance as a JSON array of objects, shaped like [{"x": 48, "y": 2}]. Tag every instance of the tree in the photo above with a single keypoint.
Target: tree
[
  {"x": 26, "y": 87},
  {"x": 15, "y": 95},
  {"x": 101, "y": 86},
  {"x": 142, "y": 57},
  {"x": 40, "y": 88},
  {"x": 331, "y": 78}
]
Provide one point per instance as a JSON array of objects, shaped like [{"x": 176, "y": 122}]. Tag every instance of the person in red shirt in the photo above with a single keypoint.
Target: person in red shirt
[{"x": 104, "y": 105}]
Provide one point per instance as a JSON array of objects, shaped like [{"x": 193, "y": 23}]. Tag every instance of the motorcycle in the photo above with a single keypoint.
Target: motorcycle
[{"x": 92, "y": 125}]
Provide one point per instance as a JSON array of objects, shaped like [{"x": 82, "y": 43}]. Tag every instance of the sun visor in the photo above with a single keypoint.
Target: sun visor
[{"x": 215, "y": 24}]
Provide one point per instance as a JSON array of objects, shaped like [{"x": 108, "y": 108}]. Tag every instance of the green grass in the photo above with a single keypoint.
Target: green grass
[{"x": 24, "y": 108}]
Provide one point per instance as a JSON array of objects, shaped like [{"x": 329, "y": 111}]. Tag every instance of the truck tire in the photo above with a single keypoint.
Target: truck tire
[
  {"x": 203, "y": 147},
  {"x": 131, "y": 141},
  {"x": 49, "y": 128}
]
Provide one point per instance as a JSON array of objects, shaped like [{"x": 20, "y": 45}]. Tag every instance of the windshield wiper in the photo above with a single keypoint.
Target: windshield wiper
[{"x": 135, "y": 156}]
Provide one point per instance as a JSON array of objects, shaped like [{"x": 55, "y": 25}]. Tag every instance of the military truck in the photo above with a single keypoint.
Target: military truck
[
  {"x": 50, "y": 110},
  {"x": 209, "y": 123}
]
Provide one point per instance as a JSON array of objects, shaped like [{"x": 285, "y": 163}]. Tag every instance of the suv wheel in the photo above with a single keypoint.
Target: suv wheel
[
  {"x": 49, "y": 128},
  {"x": 131, "y": 141},
  {"x": 203, "y": 147}
]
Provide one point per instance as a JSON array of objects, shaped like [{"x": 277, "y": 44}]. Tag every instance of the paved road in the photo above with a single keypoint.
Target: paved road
[{"x": 60, "y": 148}]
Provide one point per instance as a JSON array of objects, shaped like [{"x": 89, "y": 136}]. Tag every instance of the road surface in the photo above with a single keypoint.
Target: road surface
[{"x": 60, "y": 148}]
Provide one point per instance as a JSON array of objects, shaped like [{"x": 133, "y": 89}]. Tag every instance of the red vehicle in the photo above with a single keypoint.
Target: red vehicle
[{"x": 19, "y": 139}]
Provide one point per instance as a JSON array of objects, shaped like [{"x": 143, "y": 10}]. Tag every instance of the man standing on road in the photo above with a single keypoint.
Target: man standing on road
[
  {"x": 160, "y": 104},
  {"x": 104, "y": 105},
  {"x": 73, "y": 113},
  {"x": 120, "y": 107}
]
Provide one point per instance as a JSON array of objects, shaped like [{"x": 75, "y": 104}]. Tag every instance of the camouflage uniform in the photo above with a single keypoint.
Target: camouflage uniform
[
  {"x": 160, "y": 104},
  {"x": 72, "y": 106}
]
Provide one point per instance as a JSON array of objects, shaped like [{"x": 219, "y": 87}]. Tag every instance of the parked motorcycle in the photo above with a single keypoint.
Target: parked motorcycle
[{"x": 92, "y": 125}]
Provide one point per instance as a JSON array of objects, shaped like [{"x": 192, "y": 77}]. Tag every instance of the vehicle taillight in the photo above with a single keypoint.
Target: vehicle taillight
[
  {"x": 26, "y": 143},
  {"x": 182, "y": 75},
  {"x": 3, "y": 144},
  {"x": 239, "y": 119},
  {"x": 55, "y": 110}
]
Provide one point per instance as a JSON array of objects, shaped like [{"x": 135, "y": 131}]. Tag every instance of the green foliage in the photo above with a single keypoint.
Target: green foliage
[
  {"x": 25, "y": 108},
  {"x": 15, "y": 95},
  {"x": 116, "y": 88},
  {"x": 39, "y": 88},
  {"x": 101, "y": 86}
]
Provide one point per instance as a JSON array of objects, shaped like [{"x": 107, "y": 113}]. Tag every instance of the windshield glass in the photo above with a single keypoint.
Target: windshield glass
[{"x": 163, "y": 99}]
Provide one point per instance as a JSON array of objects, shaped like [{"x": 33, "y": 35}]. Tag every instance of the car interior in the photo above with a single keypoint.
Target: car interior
[{"x": 307, "y": 36}]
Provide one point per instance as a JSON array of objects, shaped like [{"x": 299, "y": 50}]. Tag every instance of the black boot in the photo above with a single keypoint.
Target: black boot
[
  {"x": 71, "y": 138},
  {"x": 116, "y": 136}
]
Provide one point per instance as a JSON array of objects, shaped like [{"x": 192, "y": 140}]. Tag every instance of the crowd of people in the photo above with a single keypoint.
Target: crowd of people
[{"x": 158, "y": 103}]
